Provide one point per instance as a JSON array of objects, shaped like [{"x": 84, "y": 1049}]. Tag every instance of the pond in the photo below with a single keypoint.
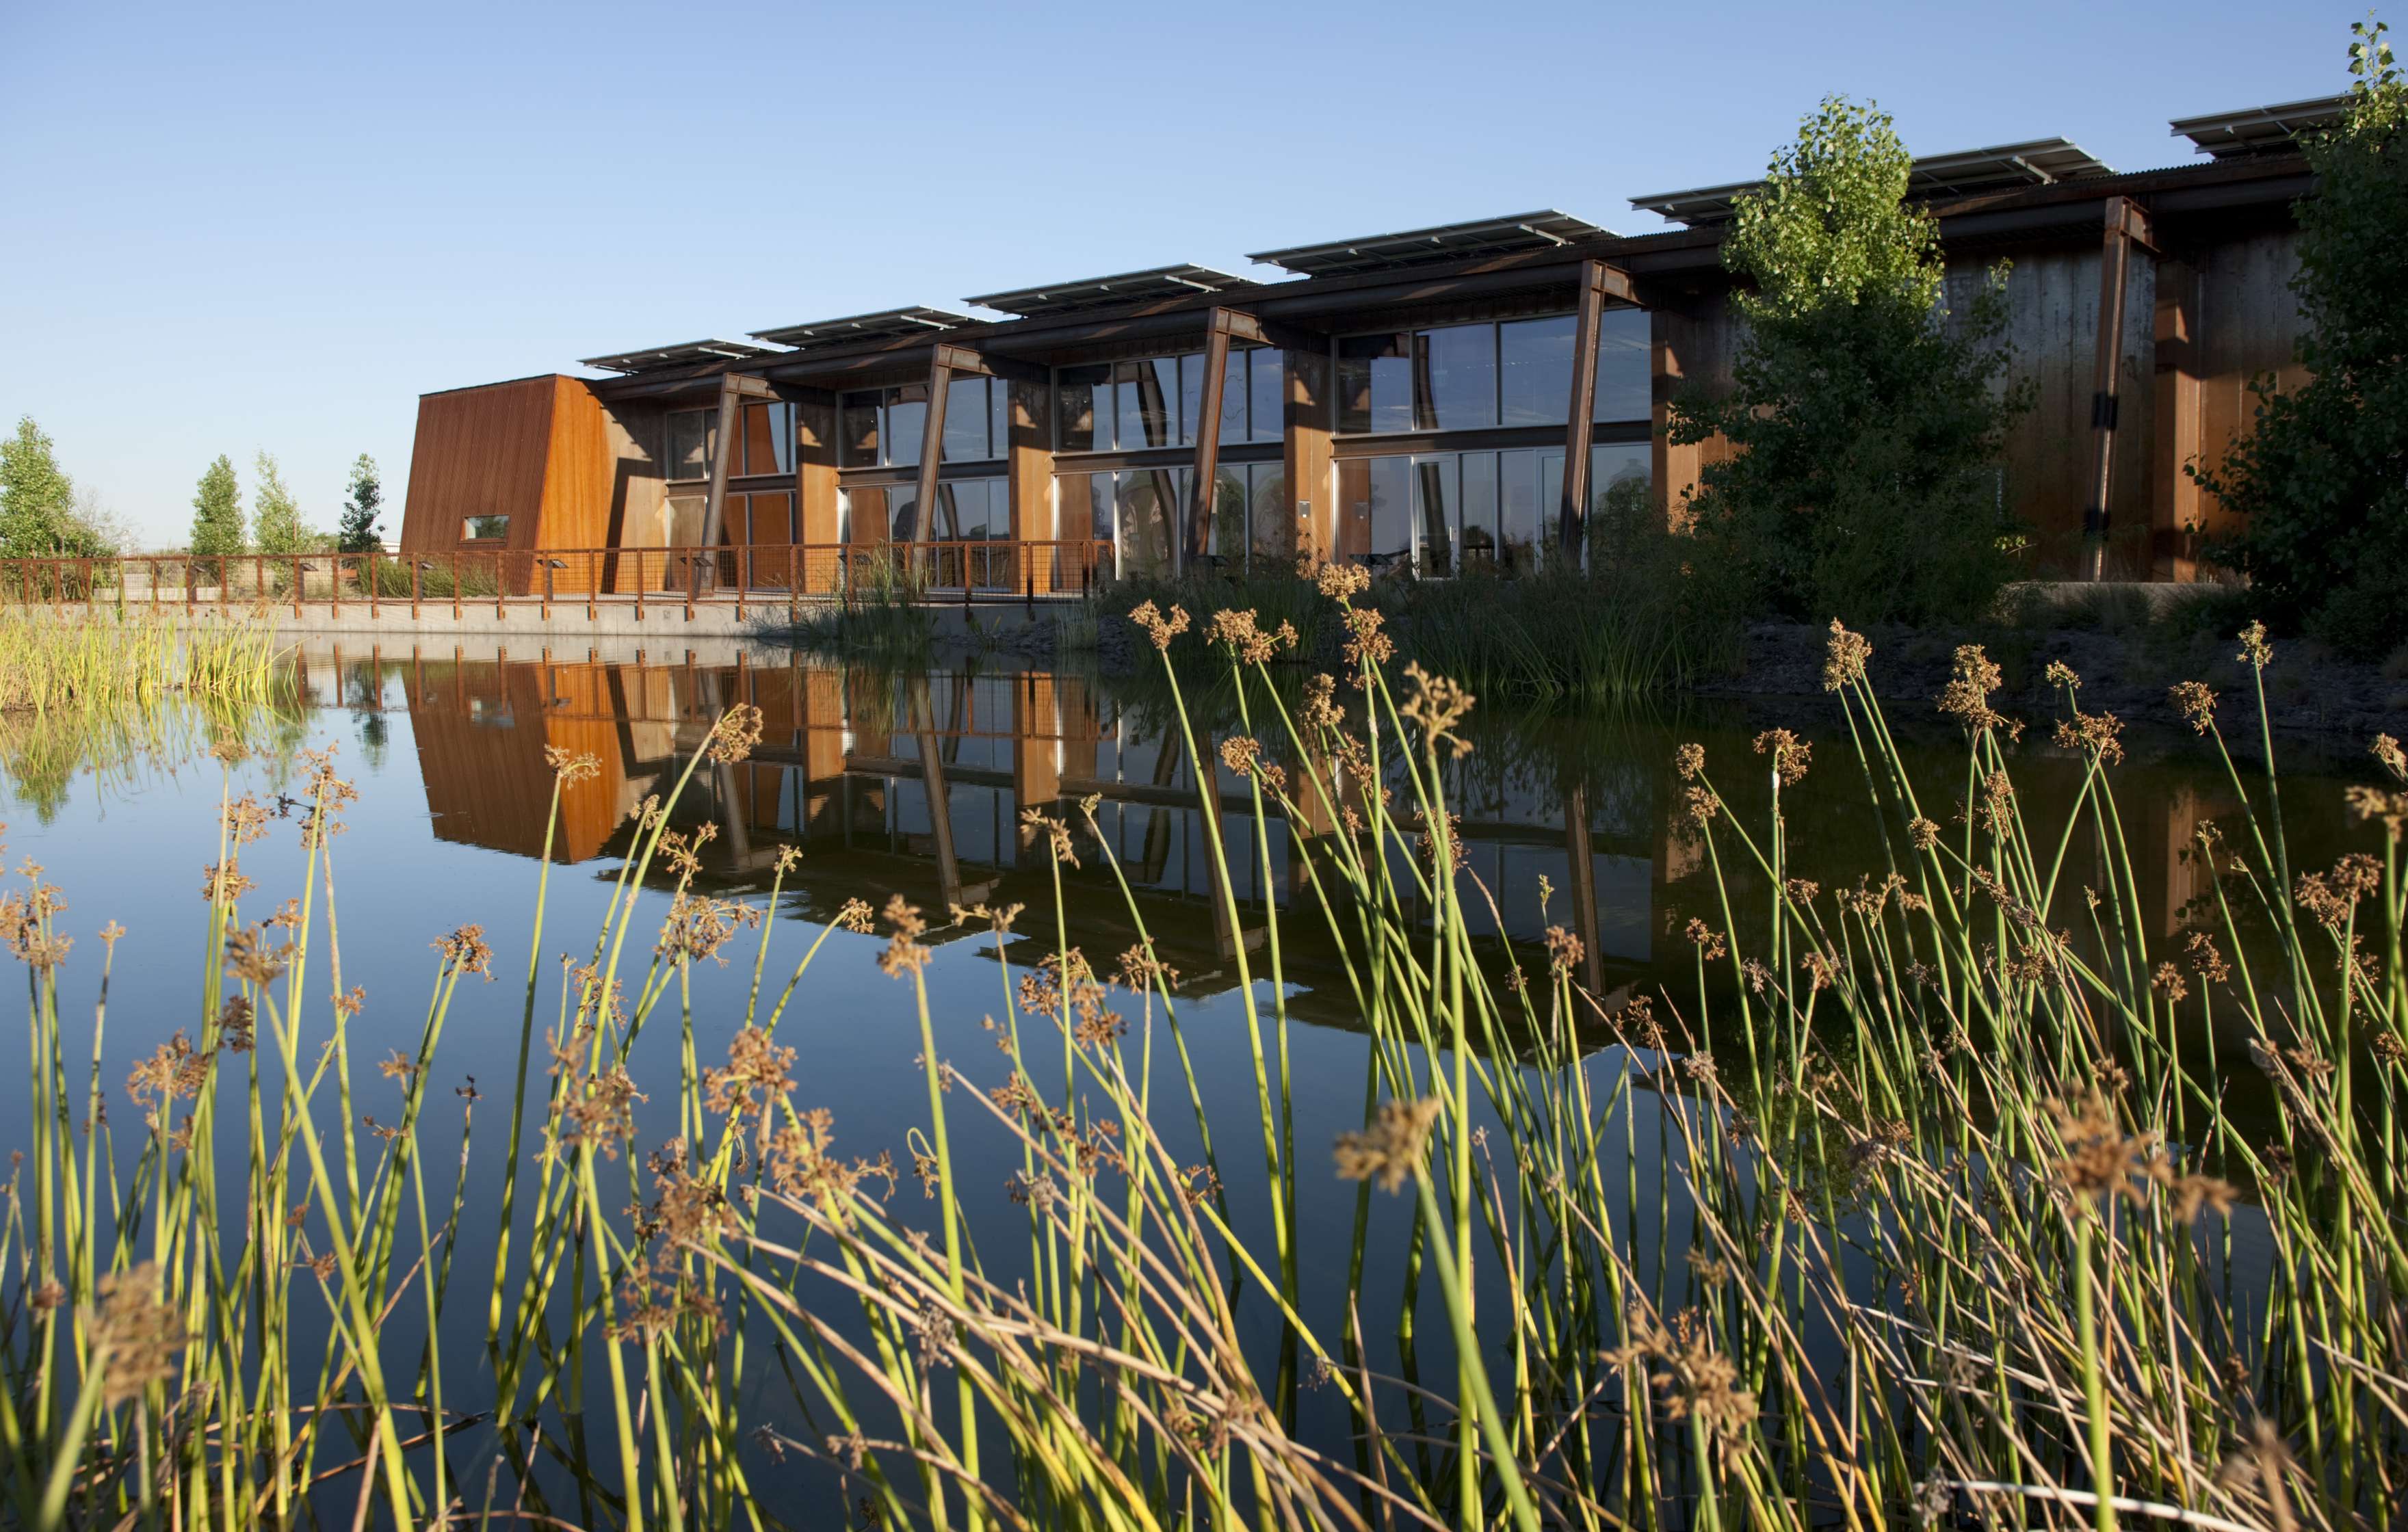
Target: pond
[{"x": 872, "y": 785}]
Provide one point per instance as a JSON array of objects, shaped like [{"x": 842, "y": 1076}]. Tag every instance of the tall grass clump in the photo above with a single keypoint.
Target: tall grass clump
[
  {"x": 880, "y": 616},
  {"x": 1929, "y": 1201},
  {"x": 101, "y": 658}
]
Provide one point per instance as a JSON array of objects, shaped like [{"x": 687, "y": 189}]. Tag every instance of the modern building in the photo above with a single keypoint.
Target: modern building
[{"x": 1426, "y": 401}]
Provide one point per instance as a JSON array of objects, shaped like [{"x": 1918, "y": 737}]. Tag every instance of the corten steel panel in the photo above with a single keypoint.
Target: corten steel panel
[
  {"x": 2176, "y": 502},
  {"x": 2248, "y": 329},
  {"x": 479, "y": 452},
  {"x": 816, "y": 501},
  {"x": 1029, "y": 467},
  {"x": 1311, "y": 394},
  {"x": 2053, "y": 326}
]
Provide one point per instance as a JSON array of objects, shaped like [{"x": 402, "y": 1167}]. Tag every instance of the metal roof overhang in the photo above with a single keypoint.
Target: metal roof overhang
[
  {"x": 883, "y": 325},
  {"x": 684, "y": 353},
  {"x": 2040, "y": 162},
  {"x": 1542, "y": 230},
  {"x": 2259, "y": 130},
  {"x": 1103, "y": 292}
]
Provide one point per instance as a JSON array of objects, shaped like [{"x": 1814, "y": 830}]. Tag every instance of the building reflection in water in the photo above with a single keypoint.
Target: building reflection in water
[{"x": 914, "y": 784}]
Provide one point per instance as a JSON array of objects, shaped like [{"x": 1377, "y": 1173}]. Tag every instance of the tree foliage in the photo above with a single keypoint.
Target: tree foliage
[
  {"x": 2323, "y": 479},
  {"x": 276, "y": 516},
  {"x": 362, "y": 509},
  {"x": 1869, "y": 421},
  {"x": 217, "y": 512},
  {"x": 39, "y": 516}
]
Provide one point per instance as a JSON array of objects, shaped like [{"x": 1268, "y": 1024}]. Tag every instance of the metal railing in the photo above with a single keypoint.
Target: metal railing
[{"x": 757, "y": 576}]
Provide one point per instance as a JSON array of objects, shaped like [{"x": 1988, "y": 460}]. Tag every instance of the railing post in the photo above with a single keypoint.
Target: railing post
[
  {"x": 693, "y": 583},
  {"x": 455, "y": 585},
  {"x": 640, "y": 585},
  {"x": 296, "y": 584},
  {"x": 375, "y": 580},
  {"x": 417, "y": 570},
  {"x": 547, "y": 587}
]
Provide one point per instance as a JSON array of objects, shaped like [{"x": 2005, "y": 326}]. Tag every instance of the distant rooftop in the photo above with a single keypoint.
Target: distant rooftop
[
  {"x": 2259, "y": 130},
  {"x": 2041, "y": 162},
  {"x": 1094, "y": 292},
  {"x": 884, "y": 326},
  {"x": 685, "y": 354},
  {"x": 1384, "y": 251}
]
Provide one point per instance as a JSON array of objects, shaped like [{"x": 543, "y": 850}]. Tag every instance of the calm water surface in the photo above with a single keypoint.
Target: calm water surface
[{"x": 914, "y": 785}]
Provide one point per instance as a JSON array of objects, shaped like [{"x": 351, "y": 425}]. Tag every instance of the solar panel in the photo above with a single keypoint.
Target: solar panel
[
  {"x": 887, "y": 326},
  {"x": 2042, "y": 162},
  {"x": 1411, "y": 247},
  {"x": 2259, "y": 130},
  {"x": 1095, "y": 291},
  {"x": 685, "y": 354}
]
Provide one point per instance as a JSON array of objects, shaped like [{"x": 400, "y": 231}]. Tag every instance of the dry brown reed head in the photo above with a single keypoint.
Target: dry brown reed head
[
  {"x": 1437, "y": 705},
  {"x": 599, "y": 1111},
  {"x": 1844, "y": 657},
  {"x": 2099, "y": 1160},
  {"x": 1247, "y": 643},
  {"x": 754, "y": 1076},
  {"x": 1966, "y": 696},
  {"x": 787, "y": 860},
  {"x": 2384, "y": 749},
  {"x": 465, "y": 951},
  {"x": 2095, "y": 734},
  {"x": 1564, "y": 952},
  {"x": 2061, "y": 674},
  {"x": 998, "y": 921},
  {"x": 571, "y": 767},
  {"x": 223, "y": 882},
  {"x": 2196, "y": 701},
  {"x": 249, "y": 958},
  {"x": 136, "y": 1334},
  {"x": 1367, "y": 640},
  {"x": 1922, "y": 832},
  {"x": 1320, "y": 710},
  {"x": 1790, "y": 755},
  {"x": 801, "y": 1168},
  {"x": 734, "y": 736},
  {"x": 1708, "y": 940},
  {"x": 1393, "y": 1147},
  {"x": 1688, "y": 761},
  {"x": 1342, "y": 582},
  {"x": 2255, "y": 652},
  {"x": 1036, "y": 821},
  {"x": 698, "y": 926},
  {"x": 1140, "y": 970},
  {"x": 175, "y": 1071},
  {"x": 904, "y": 953},
  {"x": 2331, "y": 896},
  {"x": 854, "y": 915},
  {"x": 1158, "y": 626}
]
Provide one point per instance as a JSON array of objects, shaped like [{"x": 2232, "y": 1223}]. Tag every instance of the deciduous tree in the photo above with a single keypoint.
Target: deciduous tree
[
  {"x": 2323, "y": 478},
  {"x": 276, "y": 516},
  {"x": 362, "y": 509},
  {"x": 1869, "y": 420},
  {"x": 217, "y": 512}
]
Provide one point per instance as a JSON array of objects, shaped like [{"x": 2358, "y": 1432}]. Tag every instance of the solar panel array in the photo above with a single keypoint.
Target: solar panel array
[{"x": 1511, "y": 233}]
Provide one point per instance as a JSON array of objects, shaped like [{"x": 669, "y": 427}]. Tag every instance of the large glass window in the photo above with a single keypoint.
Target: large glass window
[
  {"x": 1536, "y": 371},
  {"x": 694, "y": 441},
  {"x": 766, "y": 442},
  {"x": 1454, "y": 377},
  {"x": 1136, "y": 509},
  {"x": 1467, "y": 377},
  {"x": 1624, "y": 390},
  {"x": 1375, "y": 383},
  {"x": 883, "y": 427},
  {"x": 1251, "y": 526},
  {"x": 1438, "y": 513},
  {"x": 1159, "y": 401}
]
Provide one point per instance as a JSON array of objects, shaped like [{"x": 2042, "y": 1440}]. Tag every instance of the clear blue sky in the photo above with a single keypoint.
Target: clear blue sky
[{"x": 232, "y": 227}]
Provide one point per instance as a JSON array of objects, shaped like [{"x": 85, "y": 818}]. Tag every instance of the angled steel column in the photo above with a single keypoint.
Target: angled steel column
[
  {"x": 932, "y": 443},
  {"x": 1599, "y": 281},
  {"x": 1208, "y": 438},
  {"x": 2128, "y": 224}
]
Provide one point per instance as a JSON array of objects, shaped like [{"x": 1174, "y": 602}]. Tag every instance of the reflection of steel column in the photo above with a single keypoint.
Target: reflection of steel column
[
  {"x": 932, "y": 783},
  {"x": 1583, "y": 880},
  {"x": 713, "y": 697}
]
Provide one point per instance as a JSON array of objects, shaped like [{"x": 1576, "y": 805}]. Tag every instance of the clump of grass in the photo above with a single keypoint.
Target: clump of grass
[
  {"x": 53, "y": 659},
  {"x": 1919, "y": 1205}
]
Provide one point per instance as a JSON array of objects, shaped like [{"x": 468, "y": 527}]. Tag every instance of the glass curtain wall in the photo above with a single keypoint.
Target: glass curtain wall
[
  {"x": 693, "y": 442},
  {"x": 972, "y": 511},
  {"x": 1252, "y": 527},
  {"x": 883, "y": 427},
  {"x": 1159, "y": 401},
  {"x": 1136, "y": 509},
  {"x": 1470, "y": 377},
  {"x": 1442, "y": 514}
]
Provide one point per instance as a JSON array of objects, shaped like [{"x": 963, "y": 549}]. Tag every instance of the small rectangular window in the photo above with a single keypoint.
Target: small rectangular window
[
  {"x": 485, "y": 529},
  {"x": 860, "y": 429},
  {"x": 1454, "y": 377},
  {"x": 1265, "y": 394},
  {"x": 1622, "y": 368},
  {"x": 966, "y": 420}
]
